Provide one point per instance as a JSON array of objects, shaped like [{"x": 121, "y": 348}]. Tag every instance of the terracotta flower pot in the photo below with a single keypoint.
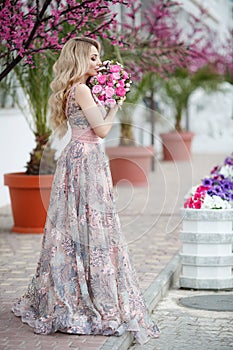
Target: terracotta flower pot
[
  {"x": 177, "y": 145},
  {"x": 131, "y": 163},
  {"x": 30, "y": 196}
]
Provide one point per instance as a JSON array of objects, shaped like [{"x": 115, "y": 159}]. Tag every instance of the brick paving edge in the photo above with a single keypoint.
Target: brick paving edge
[{"x": 153, "y": 294}]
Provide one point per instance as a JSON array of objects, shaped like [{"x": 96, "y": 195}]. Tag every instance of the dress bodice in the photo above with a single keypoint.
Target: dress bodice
[
  {"x": 74, "y": 113},
  {"x": 80, "y": 127}
]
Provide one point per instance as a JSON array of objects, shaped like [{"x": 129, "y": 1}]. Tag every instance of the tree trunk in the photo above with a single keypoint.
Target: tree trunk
[{"x": 127, "y": 138}]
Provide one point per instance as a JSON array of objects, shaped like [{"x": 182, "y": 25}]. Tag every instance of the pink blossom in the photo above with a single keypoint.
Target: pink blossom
[
  {"x": 115, "y": 76},
  {"x": 110, "y": 102},
  {"x": 107, "y": 80},
  {"x": 96, "y": 89},
  {"x": 18, "y": 18},
  {"x": 197, "y": 196},
  {"x": 121, "y": 83},
  {"x": 115, "y": 69},
  {"x": 101, "y": 97},
  {"x": 197, "y": 204},
  {"x": 102, "y": 79},
  {"x": 201, "y": 189},
  {"x": 109, "y": 91},
  {"x": 188, "y": 203},
  {"x": 126, "y": 75},
  {"x": 120, "y": 91}
]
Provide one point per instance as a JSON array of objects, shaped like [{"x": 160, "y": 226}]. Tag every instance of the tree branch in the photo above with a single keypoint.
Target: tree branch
[{"x": 28, "y": 42}]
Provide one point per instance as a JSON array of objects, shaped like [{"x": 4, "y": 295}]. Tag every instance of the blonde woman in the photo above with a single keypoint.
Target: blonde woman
[{"x": 85, "y": 282}]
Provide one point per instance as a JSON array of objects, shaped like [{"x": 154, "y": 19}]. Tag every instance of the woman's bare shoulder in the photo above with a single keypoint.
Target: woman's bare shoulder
[
  {"x": 83, "y": 88},
  {"x": 83, "y": 95}
]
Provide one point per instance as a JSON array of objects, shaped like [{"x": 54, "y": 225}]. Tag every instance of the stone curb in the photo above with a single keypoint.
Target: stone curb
[{"x": 153, "y": 294}]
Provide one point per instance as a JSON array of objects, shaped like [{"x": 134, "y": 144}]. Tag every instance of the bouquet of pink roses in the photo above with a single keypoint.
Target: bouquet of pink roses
[{"x": 111, "y": 84}]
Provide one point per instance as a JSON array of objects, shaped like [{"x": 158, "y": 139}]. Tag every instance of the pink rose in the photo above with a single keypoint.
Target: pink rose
[
  {"x": 96, "y": 89},
  {"x": 120, "y": 91},
  {"x": 115, "y": 69},
  {"x": 110, "y": 102},
  {"x": 116, "y": 76},
  {"x": 110, "y": 84},
  {"x": 102, "y": 79},
  {"x": 126, "y": 75},
  {"x": 121, "y": 83},
  {"x": 109, "y": 91},
  {"x": 101, "y": 97}
]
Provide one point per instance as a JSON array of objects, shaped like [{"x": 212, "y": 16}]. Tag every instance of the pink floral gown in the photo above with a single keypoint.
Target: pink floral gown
[{"x": 85, "y": 282}]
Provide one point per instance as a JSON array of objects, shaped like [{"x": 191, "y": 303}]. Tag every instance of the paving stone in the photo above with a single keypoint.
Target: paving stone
[{"x": 184, "y": 328}]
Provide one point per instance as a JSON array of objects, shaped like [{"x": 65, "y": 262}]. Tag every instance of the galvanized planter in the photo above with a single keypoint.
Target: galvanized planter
[{"x": 206, "y": 254}]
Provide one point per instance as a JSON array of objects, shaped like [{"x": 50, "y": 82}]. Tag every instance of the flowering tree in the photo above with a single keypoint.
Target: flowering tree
[
  {"x": 155, "y": 38},
  {"x": 30, "y": 32},
  {"x": 161, "y": 48},
  {"x": 208, "y": 47},
  {"x": 161, "y": 45},
  {"x": 28, "y": 27}
]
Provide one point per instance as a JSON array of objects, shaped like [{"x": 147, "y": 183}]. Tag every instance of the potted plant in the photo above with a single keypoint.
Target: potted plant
[
  {"x": 176, "y": 91},
  {"x": 30, "y": 190},
  {"x": 207, "y": 235}
]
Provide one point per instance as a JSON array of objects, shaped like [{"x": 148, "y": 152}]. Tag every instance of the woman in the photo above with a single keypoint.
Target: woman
[{"x": 85, "y": 282}]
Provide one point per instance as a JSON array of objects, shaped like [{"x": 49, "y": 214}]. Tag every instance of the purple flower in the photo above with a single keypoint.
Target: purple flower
[
  {"x": 229, "y": 160},
  {"x": 207, "y": 182},
  {"x": 217, "y": 189},
  {"x": 226, "y": 185},
  {"x": 219, "y": 183},
  {"x": 210, "y": 193}
]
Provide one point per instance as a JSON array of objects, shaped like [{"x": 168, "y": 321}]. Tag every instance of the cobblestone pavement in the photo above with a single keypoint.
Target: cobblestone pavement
[
  {"x": 151, "y": 221},
  {"x": 184, "y": 328}
]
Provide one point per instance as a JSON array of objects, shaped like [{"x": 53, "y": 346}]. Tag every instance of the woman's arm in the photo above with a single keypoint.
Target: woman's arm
[{"x": 92, "y": 112}]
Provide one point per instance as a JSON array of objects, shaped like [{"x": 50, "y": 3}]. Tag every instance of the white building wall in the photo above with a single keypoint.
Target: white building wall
[{"x": 16, "y": 142}]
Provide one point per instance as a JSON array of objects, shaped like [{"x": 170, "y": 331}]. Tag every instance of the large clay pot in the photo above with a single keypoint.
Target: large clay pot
[
  {"x": 30, "y": 196},
  {"x": 177, "y": 145},
  {"x": 132, "y": 163}
]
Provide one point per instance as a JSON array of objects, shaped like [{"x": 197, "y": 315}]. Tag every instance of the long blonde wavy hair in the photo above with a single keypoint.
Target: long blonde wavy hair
[{"x": 71, "y": 65}]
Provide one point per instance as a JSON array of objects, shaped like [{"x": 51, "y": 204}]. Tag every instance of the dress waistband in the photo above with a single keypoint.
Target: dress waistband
[{"x": 85, "y": 135}]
